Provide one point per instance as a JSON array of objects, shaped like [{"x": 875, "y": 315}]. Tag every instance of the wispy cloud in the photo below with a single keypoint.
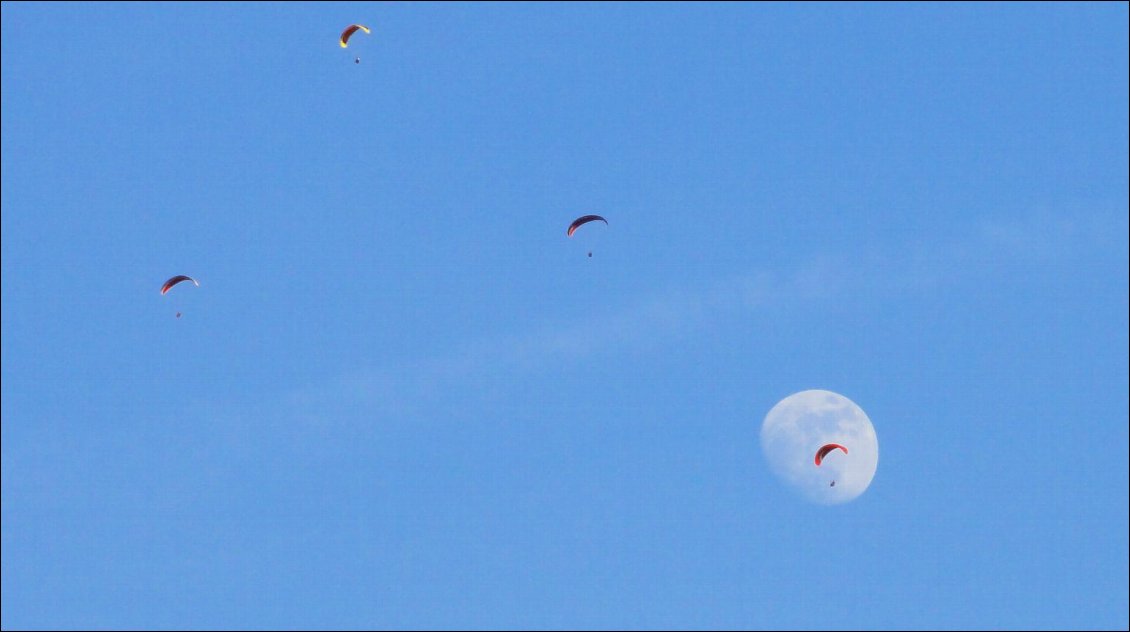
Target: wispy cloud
[
  {"x": 647, "y": 318},
  {"x": 659, "y": 317},
  {"x": 1044, "y": 233}
]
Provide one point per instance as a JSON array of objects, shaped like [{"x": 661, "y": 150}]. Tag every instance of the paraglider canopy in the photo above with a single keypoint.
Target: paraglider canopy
[
  {"x": 825, "y": 449},
  {"x": 349, "y": 31},
  {"x": 580, "y": 221},
  {"x": 175, "y": 280}
]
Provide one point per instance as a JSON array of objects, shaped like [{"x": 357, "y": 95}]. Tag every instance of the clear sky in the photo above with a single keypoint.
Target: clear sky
[{"x": 402, "y": 398}]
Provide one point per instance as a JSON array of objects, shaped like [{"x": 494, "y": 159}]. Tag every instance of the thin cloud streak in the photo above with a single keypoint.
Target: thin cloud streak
[{"x": 661, "y": 318}]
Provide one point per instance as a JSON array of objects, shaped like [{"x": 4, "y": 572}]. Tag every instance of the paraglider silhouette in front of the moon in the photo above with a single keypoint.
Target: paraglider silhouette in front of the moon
[
  {"x": 821, "y": 444},
  {"x": 823, "y": 452}
]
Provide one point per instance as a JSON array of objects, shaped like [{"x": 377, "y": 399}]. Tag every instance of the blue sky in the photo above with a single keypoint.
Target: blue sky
[{"x": 402, "y": 398}]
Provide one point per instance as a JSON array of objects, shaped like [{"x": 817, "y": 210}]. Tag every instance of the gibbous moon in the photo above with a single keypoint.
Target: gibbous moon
[{"x": 799, "y": 425}]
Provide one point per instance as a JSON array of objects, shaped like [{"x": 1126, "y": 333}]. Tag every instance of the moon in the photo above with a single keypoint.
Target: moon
[{"x": 803, "y": 422}]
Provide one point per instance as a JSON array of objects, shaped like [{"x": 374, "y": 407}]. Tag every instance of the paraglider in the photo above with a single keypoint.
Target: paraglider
[
  {"x": 580, "y": 221},
  {"x": 824, "y": 450},
  {"x": 177, "y": 279},
  {"x": 343, "y": 41},
  {"x": 180, "y": 278}
]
